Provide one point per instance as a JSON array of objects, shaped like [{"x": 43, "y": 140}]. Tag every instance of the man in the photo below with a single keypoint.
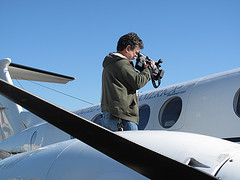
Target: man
[{"x": 120, "y": 83}]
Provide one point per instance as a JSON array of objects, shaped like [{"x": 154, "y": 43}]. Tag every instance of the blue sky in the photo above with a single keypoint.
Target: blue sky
[{"x": 195, "y": 38}]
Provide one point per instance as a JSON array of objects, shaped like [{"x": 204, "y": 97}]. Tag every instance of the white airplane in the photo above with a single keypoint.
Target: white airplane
[
  {"x": 21, "y": 131},
  {"x": 185, "y": 107}
]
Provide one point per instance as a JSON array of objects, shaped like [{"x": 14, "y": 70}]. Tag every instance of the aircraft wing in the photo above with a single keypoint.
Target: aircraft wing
[
  {"x": 28, "y": 73},
  {"x": 107, "y": 142}
]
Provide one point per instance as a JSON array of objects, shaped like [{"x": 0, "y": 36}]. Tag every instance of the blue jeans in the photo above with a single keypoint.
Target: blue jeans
[{"x": 112, "y": 124}]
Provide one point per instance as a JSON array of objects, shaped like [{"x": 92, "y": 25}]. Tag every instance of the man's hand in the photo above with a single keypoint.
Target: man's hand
[{"x": 146, "y": 65}]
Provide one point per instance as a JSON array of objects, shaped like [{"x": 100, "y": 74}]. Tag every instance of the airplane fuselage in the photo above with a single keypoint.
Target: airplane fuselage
[{"x": 208, "y": 106}]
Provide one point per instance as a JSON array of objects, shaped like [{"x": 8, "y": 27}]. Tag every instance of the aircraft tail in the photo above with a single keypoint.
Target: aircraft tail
[{"x": 10, "y": 120}]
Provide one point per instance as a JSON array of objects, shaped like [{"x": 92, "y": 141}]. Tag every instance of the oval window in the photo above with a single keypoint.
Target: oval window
[
  {"x": 170, "y": 112},
  {"x": 236, "y": 103},
  {"x": 97, "y": 119},
  {"x": 144, "y": 114}
]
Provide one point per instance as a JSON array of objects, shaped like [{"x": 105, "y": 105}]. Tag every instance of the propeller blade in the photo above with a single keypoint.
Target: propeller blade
[{"x": 142, "y": 160}]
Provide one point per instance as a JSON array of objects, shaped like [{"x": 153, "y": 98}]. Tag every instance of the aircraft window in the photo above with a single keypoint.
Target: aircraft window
[
  {"x": 97, "y": 119},
  {"x": 170, "y": 112},
  {"x": 144, "y": 114},
  {"x": 236, "y": 103}
]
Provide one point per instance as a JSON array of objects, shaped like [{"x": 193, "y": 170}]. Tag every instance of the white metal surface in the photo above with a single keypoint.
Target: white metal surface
[
  {"x": 66, "y": 160},
  {"x": 75, "y": 160},
  {"x": 180, "y": 146}
]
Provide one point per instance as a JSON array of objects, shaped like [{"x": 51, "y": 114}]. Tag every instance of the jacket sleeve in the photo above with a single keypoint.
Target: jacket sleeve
[{"x": 132, "y": 79}]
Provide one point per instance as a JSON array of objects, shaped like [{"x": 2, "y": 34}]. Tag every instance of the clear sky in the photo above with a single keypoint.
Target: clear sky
[{"x": 195, "y": 38}]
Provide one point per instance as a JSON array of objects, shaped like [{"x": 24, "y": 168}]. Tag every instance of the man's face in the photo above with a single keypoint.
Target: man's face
[{"x": 132, "y": 54}]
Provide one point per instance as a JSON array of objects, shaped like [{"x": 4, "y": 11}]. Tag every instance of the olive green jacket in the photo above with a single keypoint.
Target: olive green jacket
[{"x": 120, "y": 83}]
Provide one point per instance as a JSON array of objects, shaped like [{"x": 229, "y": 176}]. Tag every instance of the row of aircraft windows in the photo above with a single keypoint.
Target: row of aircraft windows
[{"x": 169, "y": 113}]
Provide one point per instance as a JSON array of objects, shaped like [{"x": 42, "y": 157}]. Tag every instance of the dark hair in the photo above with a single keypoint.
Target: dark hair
[{"x": 131, "y": 39}]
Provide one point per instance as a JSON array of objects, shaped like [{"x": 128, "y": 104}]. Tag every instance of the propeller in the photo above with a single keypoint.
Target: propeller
[{"x": 142, "y": 160}]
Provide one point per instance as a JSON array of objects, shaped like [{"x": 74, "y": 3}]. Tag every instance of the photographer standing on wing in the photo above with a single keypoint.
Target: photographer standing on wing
[{"x": 120, "y": 82}]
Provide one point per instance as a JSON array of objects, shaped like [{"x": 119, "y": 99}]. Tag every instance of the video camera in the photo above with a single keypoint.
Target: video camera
[{"x": 156, "y": 72}]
